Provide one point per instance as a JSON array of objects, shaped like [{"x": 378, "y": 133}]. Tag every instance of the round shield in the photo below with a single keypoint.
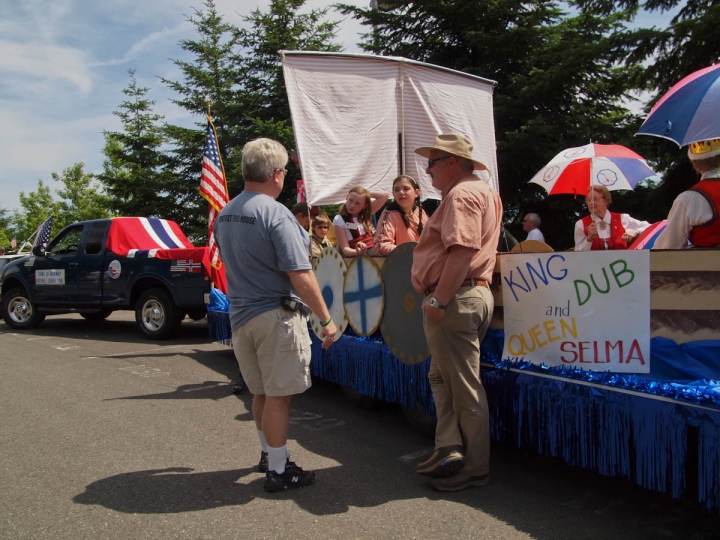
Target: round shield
[
  {"x": 363, "y": 295},
  {"x": 330, "y": 272},
  {"x": 402, "y": 321}
]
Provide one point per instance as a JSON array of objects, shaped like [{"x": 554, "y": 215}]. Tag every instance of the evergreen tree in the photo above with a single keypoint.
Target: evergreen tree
[
  {"x": 688, "y": 44},
  {"x": 265, "y": 102},
  {"x": 560, "y": 82},
  {"x": 214, "y": 74},
  {"x": 136, "y": 173}
]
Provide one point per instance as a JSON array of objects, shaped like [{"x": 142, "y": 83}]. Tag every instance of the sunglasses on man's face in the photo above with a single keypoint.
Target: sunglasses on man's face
[{"x": 432, "y": 162}]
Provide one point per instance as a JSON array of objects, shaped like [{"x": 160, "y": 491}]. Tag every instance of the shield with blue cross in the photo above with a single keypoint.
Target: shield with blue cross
[
  {"x": 363, "y": 295},
  {"x": 330, "y": 272}
]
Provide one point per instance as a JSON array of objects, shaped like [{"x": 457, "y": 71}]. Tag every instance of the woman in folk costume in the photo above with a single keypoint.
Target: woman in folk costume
[
  {"x": 603, "y": 229},
  {"x": 402, "y": 220},
  {"x": 353, "y": 224}
]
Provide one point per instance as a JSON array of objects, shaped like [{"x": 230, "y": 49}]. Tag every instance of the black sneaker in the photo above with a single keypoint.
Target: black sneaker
[
  {"x": 238, "y": 385},
  {"x": 263, "y": 465},
  {"x": 293, "y": 477}
]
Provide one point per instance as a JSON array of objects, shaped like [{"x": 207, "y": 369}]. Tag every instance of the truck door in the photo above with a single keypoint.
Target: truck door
[
  {"x": 57, "y": 274},
  {"x": 91, "y": 271}
]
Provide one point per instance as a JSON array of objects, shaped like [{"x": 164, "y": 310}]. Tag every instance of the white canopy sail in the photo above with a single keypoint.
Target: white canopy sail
[{"x": 358, "y": 119}]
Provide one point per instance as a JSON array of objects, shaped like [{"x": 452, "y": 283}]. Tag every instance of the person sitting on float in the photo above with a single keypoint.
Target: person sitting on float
[
  {"x": 402, "y": 220},
  {"x": 320, "y": 225},
  {"x": 694, "y": 216},
  {"x": 353, "y": 224},
  {"x": 603, "y": 229}
]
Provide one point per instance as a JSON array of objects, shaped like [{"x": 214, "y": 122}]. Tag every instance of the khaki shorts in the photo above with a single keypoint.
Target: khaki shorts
[{"x": 273, "y": 350}]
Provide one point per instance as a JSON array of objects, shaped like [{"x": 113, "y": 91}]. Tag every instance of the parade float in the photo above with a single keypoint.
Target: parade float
[{"x": 606, "y": 360}]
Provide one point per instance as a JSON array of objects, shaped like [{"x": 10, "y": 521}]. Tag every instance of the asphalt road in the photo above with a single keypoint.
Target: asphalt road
[{"x": 107, "y": 435}]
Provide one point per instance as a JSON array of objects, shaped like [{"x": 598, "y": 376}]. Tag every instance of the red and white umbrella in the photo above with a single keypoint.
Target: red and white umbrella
[{"x": 574, "y": 170}]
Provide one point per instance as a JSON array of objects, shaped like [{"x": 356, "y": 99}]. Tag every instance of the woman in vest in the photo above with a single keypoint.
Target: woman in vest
[
  {"x": 402, "y": 220},
  {"x": 353, "y": 224},
  {"x": 603, "y": 229}
]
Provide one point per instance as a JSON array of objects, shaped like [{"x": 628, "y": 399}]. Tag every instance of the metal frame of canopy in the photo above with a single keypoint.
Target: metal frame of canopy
[{"x": 358, "y": 118}]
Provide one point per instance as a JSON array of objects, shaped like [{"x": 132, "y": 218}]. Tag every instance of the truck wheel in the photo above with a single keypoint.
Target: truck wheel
[
  {"x": 18, "y": 311},
  {"x": 197, "y": 314},
  {"x": 360, "y": 400},
  {"x": 96, "y": 315},
  {"x": 156, "y": 314},
  {"x": 420, "y": 422}
]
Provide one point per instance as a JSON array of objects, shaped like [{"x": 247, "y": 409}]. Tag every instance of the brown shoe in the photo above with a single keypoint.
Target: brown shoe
[
  {"x": 445, "y": 461},
  {"x": 459, "y": 482}
]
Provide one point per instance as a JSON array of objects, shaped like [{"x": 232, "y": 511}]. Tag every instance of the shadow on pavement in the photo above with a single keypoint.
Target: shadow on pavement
[{"x": 368, "y": 459}]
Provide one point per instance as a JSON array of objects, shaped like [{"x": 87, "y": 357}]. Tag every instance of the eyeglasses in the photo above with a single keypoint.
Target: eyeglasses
[
  {"x": 432, "y": 162},
  {"x": 284, "y": 171}
]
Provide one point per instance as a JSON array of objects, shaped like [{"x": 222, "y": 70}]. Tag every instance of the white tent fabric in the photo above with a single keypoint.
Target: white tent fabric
[{"x": 352, "y": 114}]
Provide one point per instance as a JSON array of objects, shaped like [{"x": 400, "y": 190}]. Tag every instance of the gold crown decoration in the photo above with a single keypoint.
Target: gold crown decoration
[{"x": 704, "y": 149}]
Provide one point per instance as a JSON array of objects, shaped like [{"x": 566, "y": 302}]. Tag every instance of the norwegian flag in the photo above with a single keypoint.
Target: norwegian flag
[
  {"x": 213, "y": 188},
  {"x": 141, "y": 237}
]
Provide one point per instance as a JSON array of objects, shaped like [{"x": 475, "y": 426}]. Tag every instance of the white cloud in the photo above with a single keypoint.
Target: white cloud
[
  {"x": 146, "y": 43},
  {"x": 45, "y": 62}
]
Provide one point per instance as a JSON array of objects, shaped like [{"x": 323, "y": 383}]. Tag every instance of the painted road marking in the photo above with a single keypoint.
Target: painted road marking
[
  {"x": 407, "y": 458},
  {"x": 313, "y": 421},
  {"x": 148, "y": 372},
  {"x": 67, "y": 347}
]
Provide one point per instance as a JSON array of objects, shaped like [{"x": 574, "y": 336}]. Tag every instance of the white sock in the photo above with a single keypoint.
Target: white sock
[
  {"x": 263, "y": 442},
  {"x": 277, "y": 458}
]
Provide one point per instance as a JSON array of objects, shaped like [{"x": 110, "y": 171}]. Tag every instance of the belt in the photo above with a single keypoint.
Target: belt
[{"x": 469, "y": 282}]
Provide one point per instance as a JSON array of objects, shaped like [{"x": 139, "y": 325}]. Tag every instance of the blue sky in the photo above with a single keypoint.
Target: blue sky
[{"x": 63, "y": 65}]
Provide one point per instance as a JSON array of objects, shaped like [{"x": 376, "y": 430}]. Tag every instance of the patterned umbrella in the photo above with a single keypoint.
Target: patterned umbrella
[
  {"x": 611, "y": 165},
  {"x": 690, "y": 111},
  {"x": 646, "y": 239}
]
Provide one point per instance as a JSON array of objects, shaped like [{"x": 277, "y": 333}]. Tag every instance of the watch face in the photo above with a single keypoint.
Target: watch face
[{"x": 433, "y": 303}]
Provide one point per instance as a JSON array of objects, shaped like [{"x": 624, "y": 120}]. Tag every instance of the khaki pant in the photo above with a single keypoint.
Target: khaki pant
[
  {"x": 460, "y": 399},
  {"x": 273, "y": 351}
]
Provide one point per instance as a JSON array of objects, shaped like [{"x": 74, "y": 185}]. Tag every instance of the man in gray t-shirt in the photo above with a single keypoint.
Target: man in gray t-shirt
[{"x": 265, "y": 253}]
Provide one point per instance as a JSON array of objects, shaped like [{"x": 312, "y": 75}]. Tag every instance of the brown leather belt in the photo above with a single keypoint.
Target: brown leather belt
[{"x": 469, "y": 282}]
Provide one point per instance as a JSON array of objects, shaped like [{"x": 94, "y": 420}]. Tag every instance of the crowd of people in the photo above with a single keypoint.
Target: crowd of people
[{"x": 267, "y": 251}]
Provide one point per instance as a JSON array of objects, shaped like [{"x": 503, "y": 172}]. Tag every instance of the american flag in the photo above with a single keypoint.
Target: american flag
[
  {"x": 213, "y": 187},
  {"x": 43, "y": 233},
  {"x": 13, "y": 242}
]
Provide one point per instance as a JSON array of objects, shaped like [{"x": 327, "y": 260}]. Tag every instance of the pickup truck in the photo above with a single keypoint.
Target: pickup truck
[{"x": 96, "y": 267}]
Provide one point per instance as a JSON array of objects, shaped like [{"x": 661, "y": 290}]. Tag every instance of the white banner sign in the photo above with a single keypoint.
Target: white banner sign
[
  {"x": 589, "y": 310},
  {"x": 50, "y": 277}
]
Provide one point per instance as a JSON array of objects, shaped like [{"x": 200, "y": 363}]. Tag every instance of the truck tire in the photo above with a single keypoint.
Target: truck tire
[
  {"x": 156, "y": 314},
  {"x": 96, "y": 315},
  {"x": 197, "y": 314},
  {"x": 361, "y": 401},
  {"x": 18, "y": 311},
  {"x": 425, "y": 425}
]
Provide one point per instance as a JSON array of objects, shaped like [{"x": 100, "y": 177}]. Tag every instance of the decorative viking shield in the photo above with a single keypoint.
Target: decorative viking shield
[
  {"x": 402, "y": 321},
  {"x": 330, "y": 272},
  {"x": 363, "y": 295}
]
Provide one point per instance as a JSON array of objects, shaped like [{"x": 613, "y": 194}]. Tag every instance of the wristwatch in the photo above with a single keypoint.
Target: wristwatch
[{"x": 433, "y": 303}]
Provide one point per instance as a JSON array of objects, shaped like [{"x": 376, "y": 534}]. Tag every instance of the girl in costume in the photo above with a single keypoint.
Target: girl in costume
[
  {"x": 402, "y": 220},
  {"x": 353, "y": 224}
]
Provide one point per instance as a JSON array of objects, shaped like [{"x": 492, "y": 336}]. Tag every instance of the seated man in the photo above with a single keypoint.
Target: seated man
[
  {"x": 531, "y": 225},
  {"x": 694, "y": 217}
]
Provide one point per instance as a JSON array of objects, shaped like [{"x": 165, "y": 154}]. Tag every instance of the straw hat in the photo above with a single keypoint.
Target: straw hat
[
  {"x": 454, "y": 144},
  {"x": 704, "y": 149}
]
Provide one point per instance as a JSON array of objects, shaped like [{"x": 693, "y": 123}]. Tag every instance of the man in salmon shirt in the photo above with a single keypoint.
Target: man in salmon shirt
[{"x": 452, "y": 266}]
